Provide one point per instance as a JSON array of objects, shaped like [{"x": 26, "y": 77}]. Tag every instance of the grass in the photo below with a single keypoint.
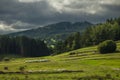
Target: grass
[{"x": 85, "y": 64}]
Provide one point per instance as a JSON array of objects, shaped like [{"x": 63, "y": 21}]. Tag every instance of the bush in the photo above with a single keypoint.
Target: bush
[
  {"x": 5, "y": 68},
  {"x": 6, "y": 59},
  {"x": 107, "y": 46},
  {"x": 22, "y": 68},
  {"x": 72, "y": 53}
]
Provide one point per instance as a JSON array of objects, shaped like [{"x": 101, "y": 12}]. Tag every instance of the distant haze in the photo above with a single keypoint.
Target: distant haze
[{"x": 19, "y": 15}]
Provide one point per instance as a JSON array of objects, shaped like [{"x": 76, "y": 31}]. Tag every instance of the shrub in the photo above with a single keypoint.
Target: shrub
[
  {"x": 6, "y": 59},
  {"x": 22, "y": 68},
  {"x": 107, "y": 46},
  {"x": 5, "y": 68},
  {"x": 72, "y": 53}
]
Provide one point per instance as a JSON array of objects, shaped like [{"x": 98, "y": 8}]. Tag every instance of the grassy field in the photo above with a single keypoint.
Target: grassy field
[{"x": 81, "y": 64}]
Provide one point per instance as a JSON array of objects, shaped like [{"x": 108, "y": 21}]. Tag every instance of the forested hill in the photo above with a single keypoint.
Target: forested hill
[
  {"x": 53, "y": 30},
  {"x": 109, "y": 30}
]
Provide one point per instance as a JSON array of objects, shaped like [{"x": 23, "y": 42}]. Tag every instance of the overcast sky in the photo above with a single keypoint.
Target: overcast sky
[{"x": 19, "y": 15}]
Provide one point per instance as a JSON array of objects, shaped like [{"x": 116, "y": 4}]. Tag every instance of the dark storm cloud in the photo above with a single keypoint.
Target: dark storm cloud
[
  {"x": 27, "y": 14},
  {"x": 112, "y": 10},
  {"x": 12, "y": 11}
]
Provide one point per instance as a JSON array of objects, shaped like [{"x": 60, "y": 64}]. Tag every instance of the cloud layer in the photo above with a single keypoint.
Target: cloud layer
[{"x": 17, "y": 15}]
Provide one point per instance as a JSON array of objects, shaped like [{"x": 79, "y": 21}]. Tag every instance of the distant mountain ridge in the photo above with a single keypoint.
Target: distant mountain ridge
[{"x": 59, "y": 29}]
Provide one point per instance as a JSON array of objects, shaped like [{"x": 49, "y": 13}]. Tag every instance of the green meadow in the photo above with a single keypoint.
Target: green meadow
[{"x": 82, "y": 64}]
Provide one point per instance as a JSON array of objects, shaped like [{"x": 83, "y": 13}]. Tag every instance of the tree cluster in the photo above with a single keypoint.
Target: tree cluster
[
  {"x": 23, "y": 46},
  {"x": 72, "y": 42},
  {"x": 110, "y": 30}
]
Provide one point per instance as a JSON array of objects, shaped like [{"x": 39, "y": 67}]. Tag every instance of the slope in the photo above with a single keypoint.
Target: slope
[
  {"x": 85, "y": 63},
  {"x": 52, "y": 30}
]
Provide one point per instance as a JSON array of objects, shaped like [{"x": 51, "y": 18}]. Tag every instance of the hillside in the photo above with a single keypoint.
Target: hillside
[
  {"x": 82, "y": 64},
  {"x": 58, "y": 30}
]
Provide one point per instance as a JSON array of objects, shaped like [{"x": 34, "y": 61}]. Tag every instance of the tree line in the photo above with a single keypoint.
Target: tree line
[
  {"x": 23, "y": 46},
  {"x": 32, "y": 47},
  {"x": 110, "y": 30}
]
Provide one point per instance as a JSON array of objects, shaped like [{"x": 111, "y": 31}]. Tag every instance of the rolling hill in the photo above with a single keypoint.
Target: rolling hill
[
  {"x": 58, "y": 30},
  {"x": 82, "y": 64}
]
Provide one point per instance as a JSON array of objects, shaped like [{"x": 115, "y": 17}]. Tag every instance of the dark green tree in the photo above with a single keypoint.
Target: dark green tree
[
  {"x": 107, "y": 46},
  {"x": 76, "y": 44}
]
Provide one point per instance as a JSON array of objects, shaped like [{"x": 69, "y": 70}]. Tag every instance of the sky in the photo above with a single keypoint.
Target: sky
[{"x": 19, "y": 15}]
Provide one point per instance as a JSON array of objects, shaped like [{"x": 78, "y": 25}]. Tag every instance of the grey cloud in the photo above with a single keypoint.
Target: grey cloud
[
  {"x": 34, "y": 13},
  {"x": 22, "y": 25},
  {"x": 26, "y": 12}
]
